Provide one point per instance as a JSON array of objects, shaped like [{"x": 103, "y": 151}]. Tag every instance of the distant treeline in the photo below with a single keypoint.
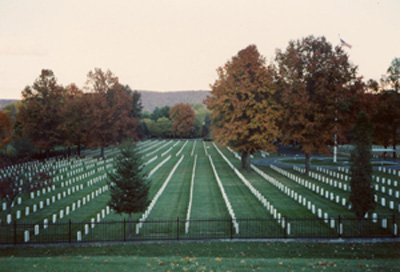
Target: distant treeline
[{"x": 153, "y": 99}]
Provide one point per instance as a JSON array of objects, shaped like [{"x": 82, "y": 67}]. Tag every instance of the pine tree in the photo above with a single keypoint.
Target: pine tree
[
  {"x": 128, "y": 184},
  {"x": 362, "y": 191}
]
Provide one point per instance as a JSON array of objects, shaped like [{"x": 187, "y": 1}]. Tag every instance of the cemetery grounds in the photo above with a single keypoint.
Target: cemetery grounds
[{"x": 198, "y": 192}]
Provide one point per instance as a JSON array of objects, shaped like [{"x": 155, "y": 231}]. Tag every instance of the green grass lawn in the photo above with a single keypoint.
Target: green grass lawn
[
  {"x": 173, "y": 203},
  {"x": 206, "y": 256}
]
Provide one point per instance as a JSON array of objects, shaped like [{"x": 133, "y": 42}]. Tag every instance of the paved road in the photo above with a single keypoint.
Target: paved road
[{"x": 296, "y": 154}]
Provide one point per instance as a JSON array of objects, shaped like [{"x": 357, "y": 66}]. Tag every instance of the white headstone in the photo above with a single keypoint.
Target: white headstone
[
  {"x": 374, "y": 217},
  {"x": 384, "y": 223},
  {"x": 26, "y": 236},
  {"x": 332, "y": 223}
]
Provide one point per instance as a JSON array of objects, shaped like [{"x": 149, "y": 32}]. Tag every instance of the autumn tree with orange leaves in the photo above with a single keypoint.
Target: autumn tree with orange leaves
[
  {"x": 5, "y": 129},
  {"x": 320, "y": 94},
  {"x": 39, "y": 113},
  {"x": 74, "y": 119},
  {"x": 244, "y": 111},
  {"x": 183, "y": 118},
  {"x": 109, "y": 111}
]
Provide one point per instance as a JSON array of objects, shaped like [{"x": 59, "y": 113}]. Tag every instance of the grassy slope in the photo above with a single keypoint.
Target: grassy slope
[
  {"x": 207, "y": 200},
  {"x": 206, "y": 256}
]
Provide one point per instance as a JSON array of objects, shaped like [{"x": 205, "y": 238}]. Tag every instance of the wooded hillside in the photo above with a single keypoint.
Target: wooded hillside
[
  {"x": 5, "y": 102},
  {"x": 151, "y": 99}
]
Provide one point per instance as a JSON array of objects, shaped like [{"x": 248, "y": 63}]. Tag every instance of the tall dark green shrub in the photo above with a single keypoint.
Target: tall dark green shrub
[
  {"x": 128, "y": 185},
  {"x": 362, "y": 191}
]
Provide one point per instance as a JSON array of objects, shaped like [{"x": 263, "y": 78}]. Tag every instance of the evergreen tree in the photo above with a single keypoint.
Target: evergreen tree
[
  {"x": 362, "y": 191},
  {"x": 128, "y": 185}
]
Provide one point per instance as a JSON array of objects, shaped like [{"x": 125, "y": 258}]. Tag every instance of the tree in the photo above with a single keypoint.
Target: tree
[
  {"x": 162, "y": 127},
  {"x": 109, "y": 111},
  {"x": 160, "y": 112},
  {"x": 206, "y": 126},
  {"x": 362, "y": 191},
  {"x": 5, "y": 129},
  {"x": 73, "y": 114},
  {"x": 386, "y": 118},
  {"x": 12, "y": 111},
  {"x": 319, "y": 92},
  {"x": 137, "y": 131},
  {"x": 389, "y": 101},
  {"x": 392, "y": 77},
  {"x": 244, "y": 111},
  {"x": 12, "y": 186},
  {"x": 183, "y": 118},
  {"x": 39, "y": 113},
  {"x": 129, "y": 187}
]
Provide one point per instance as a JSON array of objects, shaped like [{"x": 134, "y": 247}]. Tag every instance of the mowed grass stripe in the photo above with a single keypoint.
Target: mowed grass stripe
[
  {"x": 244, "y": 204},
  {"x": 174, "y": 201},
  {"x": 207, "y": 199}
]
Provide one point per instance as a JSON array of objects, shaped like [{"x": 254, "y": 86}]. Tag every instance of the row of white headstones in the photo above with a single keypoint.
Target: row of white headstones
[
  {"x": 69, "y": 209},
  {"x": 386, "y": 183},
  {"x": 315, "y": 188},
  {"x": 57, "y": 196},
  {"x": 274, "y": 212},
  {"x": 390, "y": 193},
  {"x": 60, "y": 195},
  {"x": 68, "y": 192},
  {"x": 330, "y": 196},
  {"x": 62, "y": 166}
]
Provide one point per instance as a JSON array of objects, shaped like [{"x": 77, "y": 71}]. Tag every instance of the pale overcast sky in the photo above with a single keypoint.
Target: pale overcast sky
[{"x": 178, "y": 44}]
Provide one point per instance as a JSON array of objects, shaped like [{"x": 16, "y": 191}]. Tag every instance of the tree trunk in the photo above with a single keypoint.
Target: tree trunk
[
  {"x": 79, "y": 148},
  {"x": 102, "y": 152},
  {"x": 307, "y": 162},
  {"x": 394, "y": 142},
  {"x": 246, "y": 160},
  {"x": 69, "y": 151},
  {"x": 384, "y": 153},
  {"x": 360, "y": 224}
]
